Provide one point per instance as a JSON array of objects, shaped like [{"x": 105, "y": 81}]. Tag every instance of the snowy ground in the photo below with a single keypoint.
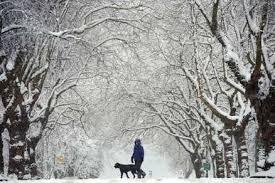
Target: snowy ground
[{"x": 164, "y": 180}]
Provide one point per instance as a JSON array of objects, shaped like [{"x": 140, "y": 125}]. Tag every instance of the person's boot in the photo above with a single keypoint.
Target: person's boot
[{"x": 143, "y": 174}]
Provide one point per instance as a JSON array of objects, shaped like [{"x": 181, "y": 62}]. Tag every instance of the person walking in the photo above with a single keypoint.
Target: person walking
[{"x": 138, "y": 157}]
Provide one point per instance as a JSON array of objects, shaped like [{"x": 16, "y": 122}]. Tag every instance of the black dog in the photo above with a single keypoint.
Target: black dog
[
  {"x": 126, "y": 168},
  {"x": 129, "y": 168}
]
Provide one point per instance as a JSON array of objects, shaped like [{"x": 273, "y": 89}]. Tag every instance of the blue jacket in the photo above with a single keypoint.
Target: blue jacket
[{"x": 138, "y": 154}]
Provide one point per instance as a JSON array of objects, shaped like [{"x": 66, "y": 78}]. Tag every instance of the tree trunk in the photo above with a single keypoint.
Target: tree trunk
[
  {"x": 17, "y": 150},
  {"x": 197, "y": 164},
  {"x": 1, "y": 150},
  {"x": 265, "y": 110},
  {"x": 17, "y": 124},
  {"x": 32, "y": 166},
  {"x": 219, "y": 164},
  {"x": 242, "y": 154},
  {"x": 264, "y": 104},
  {"x": 214, "y": 168},
  {"x": 228, "y": 155},
  {"x": 2, "y": 128},
  {"x": 218, "y": 159},
  {"x": 188, "y": 173},
  {"x": 22, "y": 153}
]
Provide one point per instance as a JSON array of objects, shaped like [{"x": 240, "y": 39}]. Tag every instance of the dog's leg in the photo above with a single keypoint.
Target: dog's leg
[
  {"x": 121, "y": 174},
  {"x": 133, "y": 174},
  {"x": 127, "y": 175}
]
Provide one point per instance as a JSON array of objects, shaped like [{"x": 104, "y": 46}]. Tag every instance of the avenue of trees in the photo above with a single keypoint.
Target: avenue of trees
[{"x": 199, "y": 72}]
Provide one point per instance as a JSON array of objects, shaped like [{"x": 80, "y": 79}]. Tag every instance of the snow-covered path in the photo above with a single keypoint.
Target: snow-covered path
[{"x": 164, "y": 180}]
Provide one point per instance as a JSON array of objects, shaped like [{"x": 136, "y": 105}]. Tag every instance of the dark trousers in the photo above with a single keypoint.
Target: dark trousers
[{"x": 140, "y": 172}]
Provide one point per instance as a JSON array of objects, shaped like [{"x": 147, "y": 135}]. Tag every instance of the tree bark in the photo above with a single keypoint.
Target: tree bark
[
  {"x": 242, "y": 154},
  {"x": 31, "y": 164},
  {"x": 218, "y": 159},
  {"x": 22, "y": 160},
  {"x": 17, "y": 151},
  {"x": 265, "y": 111},
  {"x": 17, "y": 124},
  {"x": 197, "y": 164},
  {"x": 228, "y": 155},
  {"x": 264, "y": 104},
  {"x": 1, "y": 150},
  {"x": 17, "y": 128},
  {"x": 219, "y": 164}
]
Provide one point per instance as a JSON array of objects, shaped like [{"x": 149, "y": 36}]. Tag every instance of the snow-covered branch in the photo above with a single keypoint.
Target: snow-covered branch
[
  {"x": 214, "y": 108},
  {"x": 11, "y": 27},
  {"x": 90, "y": 25},
  {"x": 110, "y": 7},
  {"x": 250, "y": 20},
  {"x": 231, "y": 57}
]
